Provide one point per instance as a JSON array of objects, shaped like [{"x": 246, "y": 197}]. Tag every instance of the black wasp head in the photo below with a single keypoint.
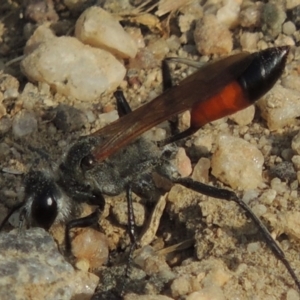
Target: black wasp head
[
  {"x": 41, "y": 196},
  {"x": 73, "y": 173}
]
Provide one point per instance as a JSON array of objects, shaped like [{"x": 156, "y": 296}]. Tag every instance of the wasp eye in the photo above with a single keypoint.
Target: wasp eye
[
  {"x": 87, "y": 162},
  {"x": 44, "y": 210}
]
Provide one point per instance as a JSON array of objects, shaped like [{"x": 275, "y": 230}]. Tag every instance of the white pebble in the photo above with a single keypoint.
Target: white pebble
[
  {"x": 229, "y": 13},
  {"x": 249, "y": 40},
  {"x": 212, "y": 37},
  {"x": 237, "y": 163},
  {"x": 280, "y": 107},
  {"x": 292, "y": 3},
  {"x": 24, "y": 123},
  {"x": 98, "y": 28},
  {"x": 73, "y": 69},
  {"x": 243, "y": 117},
  {"x": 253, "y": 247}
]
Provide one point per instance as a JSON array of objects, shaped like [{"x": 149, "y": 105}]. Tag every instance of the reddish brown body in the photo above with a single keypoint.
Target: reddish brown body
[{"x": 216, "y": 90}]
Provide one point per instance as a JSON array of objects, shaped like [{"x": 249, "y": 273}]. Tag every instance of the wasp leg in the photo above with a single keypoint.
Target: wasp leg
[
  {"x": 122, "y": 104},
  {"x": 231, "y": 196},
  {"x": 166, "y": 75},
  {"x": 167, "y": 84},
  {"x": 132, "y": 236},
  {"x": 88, "y": 221},
  {"x": 131, "y": 218}
]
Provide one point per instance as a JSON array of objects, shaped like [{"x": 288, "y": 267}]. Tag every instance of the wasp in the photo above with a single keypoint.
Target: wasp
[{"x": 117, "y": 158}]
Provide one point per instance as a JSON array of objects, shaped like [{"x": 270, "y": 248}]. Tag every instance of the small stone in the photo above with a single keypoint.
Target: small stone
[
  {"x": 183, "y": 163},
  {"x": 296, "y": 162},
  {"x": 294, "y": 14},
  {"x": 137, "y": 36},
  {"x": 272, "y": 18},
  {"x": 73, "y": 69},
  {"x": 253, "y": 247},
  {"x": 292, "y": 224},
  {"x": 159, "y": 48},
  {"x": 92, "y": 246},
  {"x": 229, "y": 13},
  {"x": 11, "y": 93},
  {"x": 284, "y": 171},
  {"x": 107, "y": 118},
  {"x": 268, "y": 197},
  {"x": 288, "y": 28},
  {"x": 68, "y": 118},
  {"x": 292, "y": 295},
  {"x": 280, "y": 107},
  {"x": 249, "y": 41},
  {"x": 243, "y": 117},
  {"x": 250, "y": 15},
  {"x": 278, "y": 186},
  {"x": 211, "y": 37},
  {"x": 42, "y": 34},
  {"x": 203, "y": 143},
  {"x": 173, "y": 43},
  {"x": 201, "y": 170},
  {"x": 259, "y": 209},
  {"x": 237, "y": 163},
  {"x": 181, "y": 286},
  {"x": 75, "y": 5},
  {"x": 24, "y": 123},
  {"x": 40, "y": 11},
  {"x": 31, "y": 266},
  {"x": 290, "y": 4},
  {"x": 291, "y": 81},
  {"x": 100, "y": 29}
]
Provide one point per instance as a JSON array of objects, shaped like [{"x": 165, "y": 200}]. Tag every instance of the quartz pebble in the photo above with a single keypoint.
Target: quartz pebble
[
  {"x": 212, "y": 37},
  {"x": 24, "y": 123},
  {"x": 249, "y": 40},
  {"x": 183, "y": 163},
  {"x": 243, "y": 117},
  {"x": 280, "y": 107},
  {"x": 98, "y": 28},
  {"x": 92, "y": 246},
  {"x": 290, "y": 4},
  {"x": 287, "y": 222},
  {"x": 229, "y": 13},
  {"x": 203, "y": 280},
  {"x": 237, "y": 163},
  {"x": 73, "y": 69},
  {"x": 31, "y": 267},
  {"x": 250, "y": 15},
  {"x": 201, "y": 170}
]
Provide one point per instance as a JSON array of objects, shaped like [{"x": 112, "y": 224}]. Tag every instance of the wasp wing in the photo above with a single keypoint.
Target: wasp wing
[{"x": 198, "y": 87}]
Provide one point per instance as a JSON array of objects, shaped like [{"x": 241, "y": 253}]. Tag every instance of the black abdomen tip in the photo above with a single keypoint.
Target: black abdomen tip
[{"x": 265, "y": 69}]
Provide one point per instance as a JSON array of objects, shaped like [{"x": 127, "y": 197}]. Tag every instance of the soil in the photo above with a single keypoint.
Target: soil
[{"x": 227, "y": 258}]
